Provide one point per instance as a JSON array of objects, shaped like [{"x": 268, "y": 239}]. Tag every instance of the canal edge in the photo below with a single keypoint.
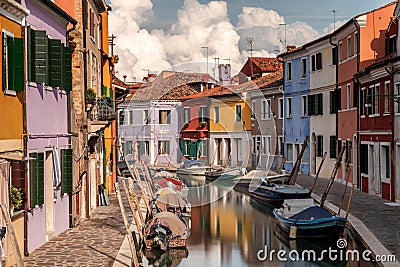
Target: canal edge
[{"x": 363, "y": 234}]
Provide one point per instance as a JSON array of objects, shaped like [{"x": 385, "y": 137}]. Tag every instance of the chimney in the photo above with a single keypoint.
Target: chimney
[
  {"x": 224, "y": 72},
  {"x": 290, "y": 48},
  {"x": 124, "y": 78}
]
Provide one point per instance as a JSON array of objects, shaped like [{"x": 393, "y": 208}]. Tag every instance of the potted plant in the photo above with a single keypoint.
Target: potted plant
[
  {"x": 202, "y": 124},
  {"x": 15, "y": 199}
]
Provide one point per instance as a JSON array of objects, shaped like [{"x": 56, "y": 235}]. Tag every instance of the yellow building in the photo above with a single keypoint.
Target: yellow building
[
  {"x": 12, "y": 98},
  {"x": 230, "y": 128}
]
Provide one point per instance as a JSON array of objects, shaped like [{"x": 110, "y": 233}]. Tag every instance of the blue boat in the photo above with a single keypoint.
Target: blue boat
[
  {"x": 312, "y": 221},
  {"x": 275, "y": 195}
]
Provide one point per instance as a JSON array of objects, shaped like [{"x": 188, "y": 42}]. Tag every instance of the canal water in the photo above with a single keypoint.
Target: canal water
[{"x": 229, "y": 229}]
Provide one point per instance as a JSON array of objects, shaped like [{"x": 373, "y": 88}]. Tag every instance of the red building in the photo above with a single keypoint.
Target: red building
[{"x": 256, "y": 67}]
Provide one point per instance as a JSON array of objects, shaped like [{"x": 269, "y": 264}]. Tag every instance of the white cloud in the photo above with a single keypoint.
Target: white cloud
[
  {"x": 331, "y": 27},
  {"x": 198, "y": 25}
]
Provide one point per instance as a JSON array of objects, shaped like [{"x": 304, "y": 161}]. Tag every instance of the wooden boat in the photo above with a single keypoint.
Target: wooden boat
[
  {"x": 165, "y": 199},
  {"x": 275, "y": 195},
  {"x": 228, "y": 173},
  {"x": 253, "y": 180},
  {"x": 165, "y": 230},
  {"x": 172, "y": 183},
  {"x": 301, "y": 218},
  {"x": 192, "y": 168}
]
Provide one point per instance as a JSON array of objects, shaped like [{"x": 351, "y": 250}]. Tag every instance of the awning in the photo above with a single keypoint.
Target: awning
[{"x": 12, "y": 155}]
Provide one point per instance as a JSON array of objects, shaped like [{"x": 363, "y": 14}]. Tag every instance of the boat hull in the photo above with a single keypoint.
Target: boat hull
[
  {"x": 226, "y": 175},
  {"x": 276, "y": 198},
  {"x": 191, "y": 172}
]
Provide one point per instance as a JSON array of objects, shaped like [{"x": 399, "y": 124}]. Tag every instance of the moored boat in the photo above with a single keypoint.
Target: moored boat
[
  {"x": 166, "y": 199},
  {"x": 275, "y": 195},
  {"x": 192, "y": 168},
  {"x": 228, "y": 173}
]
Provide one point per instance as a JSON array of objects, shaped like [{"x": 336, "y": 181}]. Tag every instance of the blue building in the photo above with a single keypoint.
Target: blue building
[{"x": 296, "y": 65}]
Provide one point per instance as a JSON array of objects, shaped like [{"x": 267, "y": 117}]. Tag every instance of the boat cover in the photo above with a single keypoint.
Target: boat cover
[
  {"x": 312, "y": 213},
  {"x": 192, "y": 163},
  {"x": 168, "y": 198},
  {"x": 176, "y": 225}
]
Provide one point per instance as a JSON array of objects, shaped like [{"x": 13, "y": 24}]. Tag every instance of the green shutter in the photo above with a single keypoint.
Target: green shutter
[
  {"x": 183, "y": 147},
  {"x": 33, "y": 179},
  {"x": 39, "y": 57},
  {"x": 142, "y": 147},
  {"x": 16, "y": 77},
  {"x": 55, "y": 60},
  {"x": 310, "y": 104},
  {"x": 66, "y": 171},
  {"x": 320, "y": 106},
  {"x": 332, "y": 147},
  {"x": 40, "y": 180},
  {"x": 67, "y": 80},
  {"x": 104, "y": 91}
]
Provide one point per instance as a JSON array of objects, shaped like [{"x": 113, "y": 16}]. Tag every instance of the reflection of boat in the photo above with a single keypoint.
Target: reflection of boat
[
  {"x": 304, "y": 219},
  {"x": 228, "y": 173},
  {"x": 193, "y": 168},
  {"x": 276, "y": 194},
  {"x": 165, "y": 230},
  {"x": 256, "y": 178},
  {"x": 171, "y": 257}
]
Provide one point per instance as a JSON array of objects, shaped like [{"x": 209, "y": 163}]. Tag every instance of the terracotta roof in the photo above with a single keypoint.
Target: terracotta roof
[
  {"x": 216, "y": 91},
  {"x": 267, "y": 81},
  {"x": 171, "y": 85},
  {"x": 267, "y": 64}
]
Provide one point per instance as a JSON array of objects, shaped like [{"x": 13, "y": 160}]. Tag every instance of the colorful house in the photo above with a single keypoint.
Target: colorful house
[
  {"x": 48, "y": 146},
  {"x": 322, "y": 105},
  {"x": 296, "y": 76},
  {"x": 256, "y": 67},
  {"x": 357, "y": 47},
  {"x": 12, "y": 95},
  {"x": 396, "y": 100}
]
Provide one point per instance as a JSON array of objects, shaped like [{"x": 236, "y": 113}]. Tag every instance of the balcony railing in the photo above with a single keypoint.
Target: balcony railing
[{"x": 102, "y": 109}]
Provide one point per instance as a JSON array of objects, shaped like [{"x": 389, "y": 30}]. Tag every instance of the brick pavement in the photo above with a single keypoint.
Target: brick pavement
[
  {"x": 382, "y": 220},
  {"x": 95, "y": 242}
]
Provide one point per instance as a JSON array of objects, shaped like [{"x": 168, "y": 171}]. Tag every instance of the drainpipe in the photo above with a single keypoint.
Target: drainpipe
[
  {"x": 336, "y": 83},
  {"x": 358, "y": 110}
]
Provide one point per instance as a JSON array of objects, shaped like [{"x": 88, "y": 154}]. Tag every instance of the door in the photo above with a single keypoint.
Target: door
[{"x": 49, "y": 194}]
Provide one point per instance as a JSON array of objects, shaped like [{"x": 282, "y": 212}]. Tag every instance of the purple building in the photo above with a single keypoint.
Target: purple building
[{"x": 47, "y": 107}]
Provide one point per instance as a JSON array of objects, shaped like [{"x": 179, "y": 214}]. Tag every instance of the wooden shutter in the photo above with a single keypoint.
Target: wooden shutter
[
  {"x": 320, "y": 145},
  {"x": 66, "y": 171},
  {"x": 40, "y": 180},
  {"x": 313, "y": 62},
  {"x": 33, "y": 179},
  {"x": 55, "y": 60},
  {"x": 39, "y": 57},
  {"x": 332, "y": 147},
  {"x": 67, "y": 79},
  {"x": 183, "y": 147},
  {"x": 104, "y": 90},
  {"x": 16, "y": 77},
  {"x": 319, "y": 61},
  {"x": 310, "y": 104},
  {"x": 320, "y": 105}
]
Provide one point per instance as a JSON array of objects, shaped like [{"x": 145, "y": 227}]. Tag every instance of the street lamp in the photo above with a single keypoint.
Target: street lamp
[{"x": 206, "y": 47}]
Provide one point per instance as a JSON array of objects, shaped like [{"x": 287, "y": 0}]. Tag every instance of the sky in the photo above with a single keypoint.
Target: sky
[{"x": 153, "y": 35}]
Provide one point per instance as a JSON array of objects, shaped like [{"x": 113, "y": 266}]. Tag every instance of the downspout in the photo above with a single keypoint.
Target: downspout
[
  {"x": 336, "y": 83},
  {"x": 358, "y": 110}
]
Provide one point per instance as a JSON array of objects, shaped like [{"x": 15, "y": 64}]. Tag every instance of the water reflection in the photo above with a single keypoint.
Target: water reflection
[{"x": 231, "y": 230}]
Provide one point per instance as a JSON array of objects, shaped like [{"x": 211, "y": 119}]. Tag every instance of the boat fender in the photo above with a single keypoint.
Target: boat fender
[{"x": 293, "y": 232}]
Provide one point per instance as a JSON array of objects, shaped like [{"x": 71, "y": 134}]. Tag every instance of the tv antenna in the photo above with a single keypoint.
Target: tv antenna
[
  {"x": 250, "y": 42},
  {"x": 334, "y": 18}
]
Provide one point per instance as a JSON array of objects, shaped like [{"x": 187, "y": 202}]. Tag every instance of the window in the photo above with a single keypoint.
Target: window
[
  {"x": 253, "y": 110},
  {"x": 356, "y": 43},
  {"x": 385, "y": 161},
  {"x": 265, "y": 109},
  {"x": 349, "y": 47},
  {"x": 340, "y": 52},
  {"x": 12, "y": 63},
  {"x": 216, "y": 114},
  {"x": 130, "y": 117},
  {"x": 288, "y": 71},
  {"x": 280, "y": 145},
  {"x": 348, "y": 96},
  {"x": 334, "y": 101},
  {"x": 377, "y": 93},
  {"x": 144, "y": 148},
  {"x": 91, "y": 22},
  {"x": 146, "y": 118},
  {"x": 238, "y": 114},
  {"x": 121, "y": 117},
  {"x": 289, "y": 107},
  {"x": 320, "y": 146},
  {"x": 363, "y": 99},
  {"x": 386, "y": 98},
  {"x": 186, "y": 115},
  {"x": 332, "y": 147},
  {"x": 397, "y": 98},
  {"x": 289, "y": 154},
  {"x": 266, "y": 144},
  {"x": 316, "y": 61},
  {"x": 303, "y": 67},
  {"x": 163, "y": 147},
  {"x": 334, "y": 55},
  {"x": 315, "y": 104},
  {"x": 203, "y": 148},
  {"x": 364, "y": 159},
  {"x": 391, "y": 44},
  {"x": 280, "y": 108},
  {"x": 164, "y": 117},
  {"x": 185, "y": 147},
  {"x": 304, "y": 105},
  {"x": 66, "y": 171},
  {"x": 347, "y": 153},
  {"x": 128, "y": 147},
  {"x": 36, "y": 179},
  {"x": 254, "y": 144},
  {"x": 202, "y": 114}
]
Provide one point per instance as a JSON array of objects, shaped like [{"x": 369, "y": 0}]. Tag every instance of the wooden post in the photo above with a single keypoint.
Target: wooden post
[
  {"x": 319, "y": 170},
  {"x": 148, "y": 183},
  {"x": 14, "y": 241},
  {"x": 296, "y": 167},
  {"x": 330, "y": 183},
  {"x": 147, "y": 172},
  {"x": 135, "y": 261},
  {"x": 135, "y": 218},
  {"x": 345, "y": 188},
  {"x": 139, "y": 182},
  {"x": 350, "y": 198}
]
